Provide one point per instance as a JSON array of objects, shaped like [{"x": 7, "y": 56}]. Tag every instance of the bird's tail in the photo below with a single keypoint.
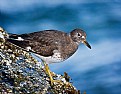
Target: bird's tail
[{"x": 13, "y": 36}]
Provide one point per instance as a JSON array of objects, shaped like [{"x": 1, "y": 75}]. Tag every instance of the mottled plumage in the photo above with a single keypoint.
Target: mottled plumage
[{"x": 51, "y": 44}]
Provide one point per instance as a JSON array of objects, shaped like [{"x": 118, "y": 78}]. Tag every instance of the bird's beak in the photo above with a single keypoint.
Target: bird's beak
[{"x": 87, "y": 44}]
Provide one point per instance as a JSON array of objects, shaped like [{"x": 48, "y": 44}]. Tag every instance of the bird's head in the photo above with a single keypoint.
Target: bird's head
[{"x": 79, "y": 36}]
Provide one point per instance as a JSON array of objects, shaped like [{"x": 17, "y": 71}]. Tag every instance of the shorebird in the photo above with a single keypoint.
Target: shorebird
[{"x": 52, "y": 46}]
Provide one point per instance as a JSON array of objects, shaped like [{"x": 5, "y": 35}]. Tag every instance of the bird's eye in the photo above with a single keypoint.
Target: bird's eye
[{"x": 79, "y": 35}]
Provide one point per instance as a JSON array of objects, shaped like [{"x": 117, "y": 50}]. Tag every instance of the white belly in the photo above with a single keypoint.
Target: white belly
[{"x": 55, "y": 58}]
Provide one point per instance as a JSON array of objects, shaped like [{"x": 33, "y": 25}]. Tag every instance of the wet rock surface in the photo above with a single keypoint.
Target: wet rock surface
[{"x": 21, "y": 74}]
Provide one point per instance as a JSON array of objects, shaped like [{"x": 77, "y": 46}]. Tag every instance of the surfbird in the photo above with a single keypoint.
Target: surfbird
[{"x": 51, "y": 46}]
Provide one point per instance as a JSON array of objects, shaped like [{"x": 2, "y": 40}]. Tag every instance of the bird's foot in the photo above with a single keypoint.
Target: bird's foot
[
  {"x": 55, "y": 82},
  {"x": 52, "y": 81},
  {"x": 51, "y": 74}
]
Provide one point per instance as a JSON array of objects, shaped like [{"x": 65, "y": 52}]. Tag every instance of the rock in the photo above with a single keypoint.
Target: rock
[{"x": 20, "y": 73}]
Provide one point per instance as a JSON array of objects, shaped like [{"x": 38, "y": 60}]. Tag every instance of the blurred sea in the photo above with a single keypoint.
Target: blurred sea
[{"x": 96, "y": 71}]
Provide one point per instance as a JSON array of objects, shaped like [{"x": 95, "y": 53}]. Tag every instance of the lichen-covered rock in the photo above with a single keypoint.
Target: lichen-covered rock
[{"x": 20, "y": 73}]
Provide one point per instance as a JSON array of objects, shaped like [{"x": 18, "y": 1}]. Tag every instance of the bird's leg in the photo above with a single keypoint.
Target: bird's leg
[{"x": 49, "y": 73}]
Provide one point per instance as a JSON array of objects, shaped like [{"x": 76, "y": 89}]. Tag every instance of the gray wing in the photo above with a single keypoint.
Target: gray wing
[{"x": 42, "y": 43}]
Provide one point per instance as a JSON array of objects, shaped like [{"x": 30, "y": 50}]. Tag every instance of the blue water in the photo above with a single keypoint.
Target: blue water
[{"x": 96, "y": 71}]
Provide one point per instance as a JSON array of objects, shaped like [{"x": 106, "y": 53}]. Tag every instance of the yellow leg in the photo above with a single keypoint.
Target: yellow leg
[{"x": 49, "y": 73}]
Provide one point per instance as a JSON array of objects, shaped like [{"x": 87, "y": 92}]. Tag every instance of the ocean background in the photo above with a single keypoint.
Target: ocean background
[{"x": 96, "y": 71}]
